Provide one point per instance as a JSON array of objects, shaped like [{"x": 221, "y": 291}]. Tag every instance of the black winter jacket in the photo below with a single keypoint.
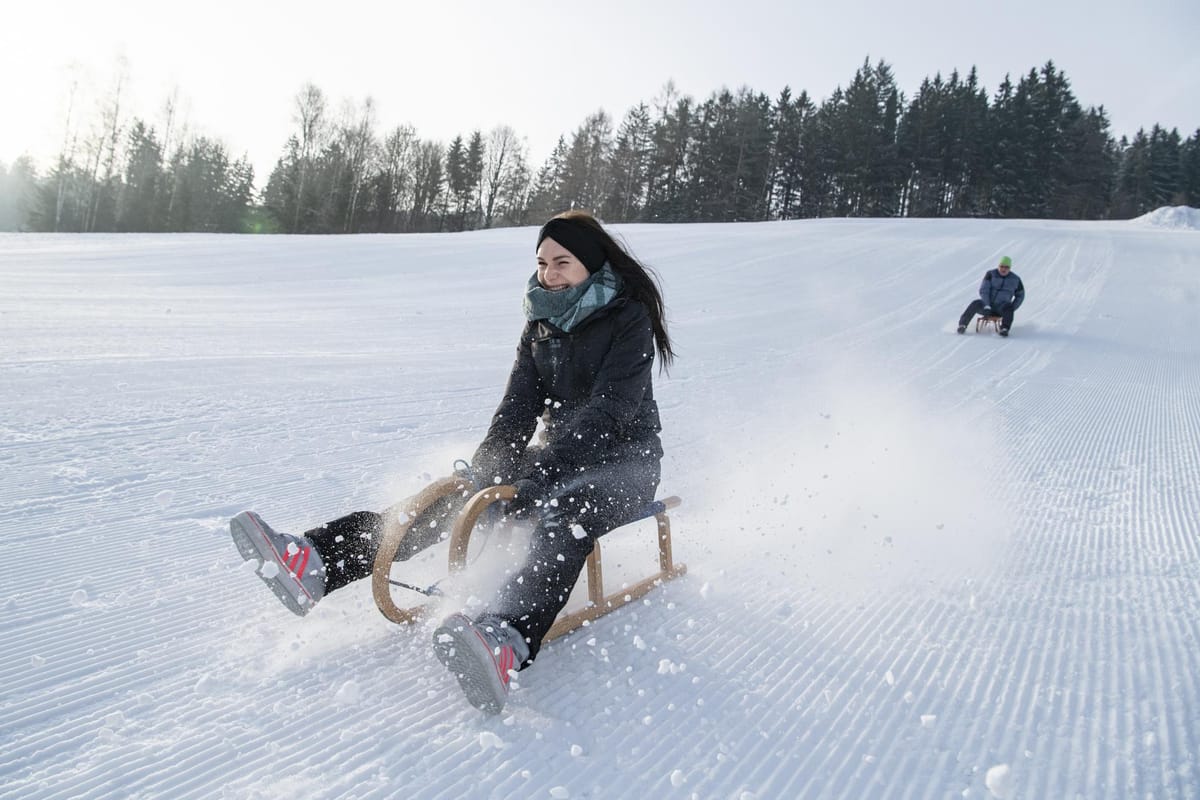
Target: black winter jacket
[{"x": 591, "y": 387}]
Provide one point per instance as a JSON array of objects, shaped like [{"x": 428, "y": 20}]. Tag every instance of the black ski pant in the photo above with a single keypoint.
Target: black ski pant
[
  {"x": 348, "y": 544},
  {"x": 600, "y": 500},
  {"x": 1005, "y": 312}
]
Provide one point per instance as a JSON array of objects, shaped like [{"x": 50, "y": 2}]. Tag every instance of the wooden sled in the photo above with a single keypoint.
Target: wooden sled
[
  {"x": 982, "y": 324},
  {"x": 598, "y": 605}
]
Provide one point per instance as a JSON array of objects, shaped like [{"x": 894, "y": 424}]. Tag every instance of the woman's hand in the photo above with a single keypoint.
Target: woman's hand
[{"x": 529, "y": 495}]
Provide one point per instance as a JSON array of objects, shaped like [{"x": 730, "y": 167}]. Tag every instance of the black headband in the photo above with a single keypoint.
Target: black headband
[{"x": 580, "y": 240}]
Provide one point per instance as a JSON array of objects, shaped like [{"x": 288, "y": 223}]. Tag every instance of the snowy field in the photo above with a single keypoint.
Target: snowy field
[{"x": 920, "y": 565}]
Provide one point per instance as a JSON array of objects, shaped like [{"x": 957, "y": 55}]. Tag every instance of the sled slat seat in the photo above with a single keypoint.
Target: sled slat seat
[{"x": 982, "y": 323}]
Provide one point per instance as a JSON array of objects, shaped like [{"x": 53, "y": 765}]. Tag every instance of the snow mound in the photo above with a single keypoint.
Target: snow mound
[{"x": 1177, "y": 217}]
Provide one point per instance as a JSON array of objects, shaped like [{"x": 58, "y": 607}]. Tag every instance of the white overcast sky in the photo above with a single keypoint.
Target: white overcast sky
[{"x": 455, "y": 66}]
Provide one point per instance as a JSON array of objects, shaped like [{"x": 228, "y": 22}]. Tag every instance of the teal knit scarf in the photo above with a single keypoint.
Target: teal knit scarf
[{"x": 567, "y": 308}]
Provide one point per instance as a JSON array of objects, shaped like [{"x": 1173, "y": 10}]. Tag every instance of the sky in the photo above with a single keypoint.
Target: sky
[
  {"x": 542, "y": 67},
  {"x": 919, "y": 565}
]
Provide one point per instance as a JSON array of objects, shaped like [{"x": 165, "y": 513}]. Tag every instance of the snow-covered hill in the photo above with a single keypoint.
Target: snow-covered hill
[
  {"x": 921, "y": 565},
  {"x": 1178, "y": 217}
]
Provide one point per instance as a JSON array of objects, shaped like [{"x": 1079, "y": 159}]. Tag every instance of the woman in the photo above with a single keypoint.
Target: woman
[{"x": 595, "y": 319}]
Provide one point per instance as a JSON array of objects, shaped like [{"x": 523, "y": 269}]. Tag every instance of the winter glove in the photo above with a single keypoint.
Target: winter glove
[
  {"x": 528, "y": 494},
  {"x": 987, "y": 310}
]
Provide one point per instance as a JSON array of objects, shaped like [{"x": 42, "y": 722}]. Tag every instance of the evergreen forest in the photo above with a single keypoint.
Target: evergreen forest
[{"x": 1028, "y": 149}]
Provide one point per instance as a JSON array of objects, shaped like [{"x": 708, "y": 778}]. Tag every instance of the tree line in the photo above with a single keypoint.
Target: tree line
[{"x": 1028, "y": 150}]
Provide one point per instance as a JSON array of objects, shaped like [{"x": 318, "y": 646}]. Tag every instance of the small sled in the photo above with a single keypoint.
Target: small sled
[
  {"x": 982, "y": 324},
  {"x": 598, "y": 605}
]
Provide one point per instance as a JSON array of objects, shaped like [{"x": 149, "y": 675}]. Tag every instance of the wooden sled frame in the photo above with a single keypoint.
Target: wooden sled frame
[
  {"x": 982, "y": 323},
  {"x": 598, "y": 605}
]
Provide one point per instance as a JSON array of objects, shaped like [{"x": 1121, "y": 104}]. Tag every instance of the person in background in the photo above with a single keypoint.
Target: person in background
[
  {"x": 1000, "y": 294},
  {"x": 595, "y": 320}
]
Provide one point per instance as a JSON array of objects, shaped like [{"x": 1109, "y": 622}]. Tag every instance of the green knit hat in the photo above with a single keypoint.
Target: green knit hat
[{"x": 1005, "y": 261}]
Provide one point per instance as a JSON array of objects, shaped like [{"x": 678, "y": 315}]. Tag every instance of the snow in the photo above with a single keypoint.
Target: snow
[
  {"x": 999, "y": 781},
  {"x": 1176, "y": 217},
  {"x": 919, "y": 564}
]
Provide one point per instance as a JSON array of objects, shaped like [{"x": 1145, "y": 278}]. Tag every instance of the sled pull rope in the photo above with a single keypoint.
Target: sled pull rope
[
  {"x": 463, "y": 469},
  {"x": 432, "y": 591}
]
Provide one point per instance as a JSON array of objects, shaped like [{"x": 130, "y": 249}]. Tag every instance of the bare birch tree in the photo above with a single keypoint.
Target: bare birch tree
[
  {"x": 395, "y": 177},
  {"x": 310, "y": 115},
  {"x": 358, "y": 143},
  {"x": 501, "y": 156},
  {"x": 105, "y": 151}
]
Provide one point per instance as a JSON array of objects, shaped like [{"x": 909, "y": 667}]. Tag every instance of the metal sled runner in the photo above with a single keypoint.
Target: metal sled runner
[{"x": 598, "y": 605}]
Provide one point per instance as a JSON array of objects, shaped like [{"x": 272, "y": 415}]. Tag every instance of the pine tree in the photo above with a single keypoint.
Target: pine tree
[
  {"x": 970, "y": 122},
  {"x": 545, "y": 195},
  {"x": 753, "y": 169},
  {"x": 863, "y": 121},
  {"x": 1190, "y": 169},
  {"x": 820, "y": 184},
  {"x": 1133, "y": 178},
  {"x": 921, "y": 143},
  {"x": 457, "y": 181},
  {"x": 1166, "y": 163},
  {"x": 791, "y": 118},
  {"x": 706, "y": 195},
  {"x": 18, "y": 185},
  {"x": 628, "y": 168},
  {"x": 281, "y": 196},
  {"x": 470, "y": 207},
  {"x": 140, "y": 207},
  {"x": 584, "y": 182},
  {"x": 1089, "y": 173},
  {"x": 668, "y": 172},
  {"x": 1000, "y": 189}
]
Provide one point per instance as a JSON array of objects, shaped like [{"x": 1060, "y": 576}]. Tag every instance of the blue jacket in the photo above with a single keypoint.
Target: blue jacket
[{"x": 996, "y": 289}]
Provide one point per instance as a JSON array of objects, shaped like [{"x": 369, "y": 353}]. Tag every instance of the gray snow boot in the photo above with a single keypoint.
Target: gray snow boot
[
  {"x": 482, "y": 655},
  {"x": 291, "y": 567}
]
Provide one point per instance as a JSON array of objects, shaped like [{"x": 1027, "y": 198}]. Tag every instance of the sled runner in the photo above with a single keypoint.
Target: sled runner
[
  {"x": 982, "y": 323},
  {"x": 598, "y": 605}
]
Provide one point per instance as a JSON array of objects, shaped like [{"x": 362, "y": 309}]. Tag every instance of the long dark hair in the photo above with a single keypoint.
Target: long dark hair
[{"x": 641, "y": 282}]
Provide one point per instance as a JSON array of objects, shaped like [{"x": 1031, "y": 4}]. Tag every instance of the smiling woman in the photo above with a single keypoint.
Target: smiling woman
[{"x": 584, "y": 368}]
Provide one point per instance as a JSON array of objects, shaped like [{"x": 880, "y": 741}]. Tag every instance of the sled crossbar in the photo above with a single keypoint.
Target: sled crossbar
[
  {"x": 598, "y": 604},
  {"x": 982, "y": 323}
]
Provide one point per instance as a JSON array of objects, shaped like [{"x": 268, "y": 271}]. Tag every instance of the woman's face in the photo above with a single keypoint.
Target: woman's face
[{"x": 557, "y": 269}]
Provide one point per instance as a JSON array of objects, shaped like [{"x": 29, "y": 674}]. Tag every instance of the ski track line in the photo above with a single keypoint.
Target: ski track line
[
  {"x": 199, "y": 753},
  {"x": 1074, "y": 660},
  {"x": 823, "y": 695},
  {"x": 1095, "y": 453}
]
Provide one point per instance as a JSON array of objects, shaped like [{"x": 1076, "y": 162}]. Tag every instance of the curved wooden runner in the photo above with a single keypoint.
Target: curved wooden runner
[
  {"x": 982, "y": 323},
  {"x": 399, "y": 518},
  {"x": 464, "y": 524},
  {"x": 598, "y": 604},
  {"x": 460, "y": 539}
]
